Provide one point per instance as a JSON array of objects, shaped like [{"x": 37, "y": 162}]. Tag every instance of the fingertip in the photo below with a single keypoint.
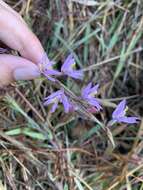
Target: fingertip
[
  {"x": 16, "y": 68},
  {"x": 26, "y": 73}
]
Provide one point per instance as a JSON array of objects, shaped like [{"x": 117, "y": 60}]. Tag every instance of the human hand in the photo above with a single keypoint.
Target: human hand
[{"x": 16, "y": 35}]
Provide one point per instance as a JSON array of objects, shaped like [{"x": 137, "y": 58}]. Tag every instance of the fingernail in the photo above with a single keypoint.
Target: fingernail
[{"x": 26, "y": 73}]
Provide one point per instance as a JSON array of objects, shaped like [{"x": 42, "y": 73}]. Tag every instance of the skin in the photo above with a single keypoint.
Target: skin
[{"x": 15, "y": 34}]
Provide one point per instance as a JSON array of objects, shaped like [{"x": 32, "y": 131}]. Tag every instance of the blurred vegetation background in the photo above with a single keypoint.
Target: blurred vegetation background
[{"x": 40, "y": 151}]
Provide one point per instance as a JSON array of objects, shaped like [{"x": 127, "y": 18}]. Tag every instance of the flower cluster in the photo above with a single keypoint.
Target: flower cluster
[
  {"x": 119, "y": 114},
  {"x": 88, "y": 92},
  {"x": 46, "y": 68},
  {"x": 55, "y": 98},
  {"x": 67, "y": 69}
]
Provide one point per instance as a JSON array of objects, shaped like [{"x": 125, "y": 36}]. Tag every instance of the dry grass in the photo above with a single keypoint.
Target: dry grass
[{"x": 62, "y": 152}]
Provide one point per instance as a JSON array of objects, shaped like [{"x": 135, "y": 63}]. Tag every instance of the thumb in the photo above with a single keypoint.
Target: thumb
[{"x": 14, "y": 68}]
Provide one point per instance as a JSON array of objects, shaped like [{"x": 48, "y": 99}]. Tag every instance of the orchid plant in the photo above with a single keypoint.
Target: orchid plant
[{"x": 87, "y": 102}]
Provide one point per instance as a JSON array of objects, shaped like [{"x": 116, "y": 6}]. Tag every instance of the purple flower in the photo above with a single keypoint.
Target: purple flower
[
  {"x": 56, "y": 98},
  {"x": 68, "y": 68},
  {"x": 119, "y": 114},
  {"x": 46, "y": 68},
  {"x": 88, "y": 94}
]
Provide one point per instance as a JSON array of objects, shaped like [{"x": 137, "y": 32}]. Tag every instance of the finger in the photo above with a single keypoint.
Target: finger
[
  {"x": 15, "y": 34},
  {"x": 16, "y": 68}
]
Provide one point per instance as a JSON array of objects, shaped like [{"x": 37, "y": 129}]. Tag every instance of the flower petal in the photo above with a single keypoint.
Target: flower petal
[
  {"x": 85, "y": 91},
  {"x": 66, "y": 103},
  {"x": 129, "y": 120},
  {"x": 67, "y": 66},
  {"x": 54, "y": 107},
  {"x": 76, "y": 74},
  {"x": 119, "y": 111},
  {"x": 94, "y": 102},
  {"x": 45, "y": 62},
  {"x": 51, "y": 72},
  {"x": 94, "y": 89},
  {"x": 47, "y": 102},
  {"x": 54, "y": 95}
]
